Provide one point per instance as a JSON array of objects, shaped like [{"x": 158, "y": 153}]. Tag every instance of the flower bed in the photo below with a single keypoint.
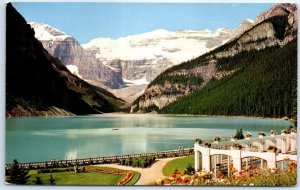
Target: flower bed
[
  {"x": 125, "y": 180},
  {"x": 249, "y": 176}
]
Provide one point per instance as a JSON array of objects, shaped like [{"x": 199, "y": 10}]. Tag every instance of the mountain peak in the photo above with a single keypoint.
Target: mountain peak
[
  {"x": 47, "y": 33},
  {"x": 277, "y": 10}
]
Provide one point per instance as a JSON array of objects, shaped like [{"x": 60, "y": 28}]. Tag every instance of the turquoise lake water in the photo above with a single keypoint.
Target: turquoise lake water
[{"x": 46, "y": 138}]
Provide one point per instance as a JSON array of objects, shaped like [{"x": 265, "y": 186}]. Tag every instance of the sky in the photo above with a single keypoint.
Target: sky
[{"x": 87, "y": 21}]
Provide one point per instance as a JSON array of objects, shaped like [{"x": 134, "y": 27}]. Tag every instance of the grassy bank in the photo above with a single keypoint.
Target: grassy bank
[
  {"x": 180, "y": 164},
  {"x": 84, "y": 178}
]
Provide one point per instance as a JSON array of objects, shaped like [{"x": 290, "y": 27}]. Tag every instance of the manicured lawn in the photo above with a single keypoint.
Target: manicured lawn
[
  {"x": 87, "y": 178},
  {"x": 180, "y": 164}
]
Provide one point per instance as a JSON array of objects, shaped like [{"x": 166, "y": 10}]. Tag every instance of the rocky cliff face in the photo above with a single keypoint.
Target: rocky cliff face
[
  {"x": 141, "y": 58},
  {"x": 75, "y": 58},
  {"x": 276, "y": 27},
  {"x": 135, "y": 60},
  {"x": 147, "y": 55},
  {"x": 39, "y": 84}
]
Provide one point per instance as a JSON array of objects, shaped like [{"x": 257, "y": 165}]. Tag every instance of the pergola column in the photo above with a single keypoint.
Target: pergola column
[
  {"x": 261, "y": 146},
  {"x": 271, "y": 160},
  {"x": 293, "y": 143},
  {"x": 197, "y": 167},
  {"x": 283, "y": 145},
  {"x": 206, "y": 159},
  {"x": 237, "y": 162}
]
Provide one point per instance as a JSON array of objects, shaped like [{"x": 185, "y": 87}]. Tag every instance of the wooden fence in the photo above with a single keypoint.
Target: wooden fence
[{"x": 100, "y": 160}]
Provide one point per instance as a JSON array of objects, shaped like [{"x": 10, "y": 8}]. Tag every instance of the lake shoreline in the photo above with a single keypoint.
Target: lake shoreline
[
  {"x": 202, "y": 115},
  {"x": 154, "y": 113}
]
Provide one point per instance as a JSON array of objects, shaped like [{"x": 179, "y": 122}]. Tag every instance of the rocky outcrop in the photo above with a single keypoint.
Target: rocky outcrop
[
  {"x": 244, "y": 26},
  {"x": 39, "y": 84},
  {"x": 75, "y": 58},
  {"x": 161, "y": 95},
  {"x": 18, "y": 107},
  {"x": 275, "y": 27},
  {"x": 279, "y": 9}
]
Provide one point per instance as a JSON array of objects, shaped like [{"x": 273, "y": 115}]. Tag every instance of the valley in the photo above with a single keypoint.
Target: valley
[
  {"x": 184, "y": 71},
  {"x": 125, "y": 66},
  {"x": 132, "y": 86}
]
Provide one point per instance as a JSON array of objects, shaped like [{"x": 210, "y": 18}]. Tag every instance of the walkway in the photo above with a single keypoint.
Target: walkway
[{"x": 148, "y": 175}]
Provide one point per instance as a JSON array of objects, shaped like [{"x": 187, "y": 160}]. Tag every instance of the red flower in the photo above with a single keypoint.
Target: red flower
[
  {"x": 173, "y": 175},
  {"x": 253, "y": 167},
  {"x": 178, "y": 172},
  {"x": 180, "y": 180}
]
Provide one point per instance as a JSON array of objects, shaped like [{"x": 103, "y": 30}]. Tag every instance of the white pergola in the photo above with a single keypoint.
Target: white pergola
[{"x": 255, "y": 147}]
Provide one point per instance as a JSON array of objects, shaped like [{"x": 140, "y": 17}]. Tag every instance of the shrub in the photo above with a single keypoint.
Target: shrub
[
  {"x": 122, "y": 162},
  {"x": 144, "y": 163},
  {"x": 138, "y": 162},
  {"x": 189, "y": 169},
  {"x": 239, "y": 134}
]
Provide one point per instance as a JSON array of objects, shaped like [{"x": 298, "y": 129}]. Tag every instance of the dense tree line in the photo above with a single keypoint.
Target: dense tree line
[
  {"x": 265, "y": 85},
  {"x": 191, "y": 80},
  {"x": 150, "y": 108},
  {"x": 280, "y": 23}
]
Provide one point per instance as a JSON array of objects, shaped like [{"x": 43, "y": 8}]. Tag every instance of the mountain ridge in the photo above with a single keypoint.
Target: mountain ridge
[
  {"x": 181, "y": 80},
  {"x": 135, "y": 58},
  {"x": 39, "y": 84},
  {"x": 77, "y": 60}
]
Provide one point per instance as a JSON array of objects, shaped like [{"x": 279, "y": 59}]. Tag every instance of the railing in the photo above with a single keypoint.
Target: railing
[
  {"x": 101, "y": 160},
  {"x": 227, "y": 145}
]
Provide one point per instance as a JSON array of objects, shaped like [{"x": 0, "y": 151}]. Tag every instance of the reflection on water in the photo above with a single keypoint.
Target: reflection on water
[{"x": 40, "y": 138}]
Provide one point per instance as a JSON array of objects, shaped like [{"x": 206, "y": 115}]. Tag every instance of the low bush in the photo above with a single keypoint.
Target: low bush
[{"x": 138, "y": 162}]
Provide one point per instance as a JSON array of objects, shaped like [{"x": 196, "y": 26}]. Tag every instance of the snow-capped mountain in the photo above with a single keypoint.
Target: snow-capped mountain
[
  {"x": 135, "y": 60},
  {"x": 144, "y": 56},
  {"x": 174, "y": 46},
  {"x": 75, "y": 58},
  {"x": 46, "y": 32},
  {"x": 147, "y": 55}
]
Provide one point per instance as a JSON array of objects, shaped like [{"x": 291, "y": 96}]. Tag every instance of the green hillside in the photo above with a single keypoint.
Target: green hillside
[
  {"x": 281, "y": 28},
  {"x": 36, "y": 81},
  {"x": 265, "y": 85}
]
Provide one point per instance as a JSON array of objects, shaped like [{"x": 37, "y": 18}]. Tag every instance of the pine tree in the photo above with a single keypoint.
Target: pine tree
[
  {"x": 38, "y": 180},
  {"x": 239, "y": 134},
  {"x": 52, "y": 180},
  {"x": 17, "y": 174}
]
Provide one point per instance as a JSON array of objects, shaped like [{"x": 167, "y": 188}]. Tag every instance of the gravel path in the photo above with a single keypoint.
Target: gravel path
[{"x": 148, "y": 175}]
